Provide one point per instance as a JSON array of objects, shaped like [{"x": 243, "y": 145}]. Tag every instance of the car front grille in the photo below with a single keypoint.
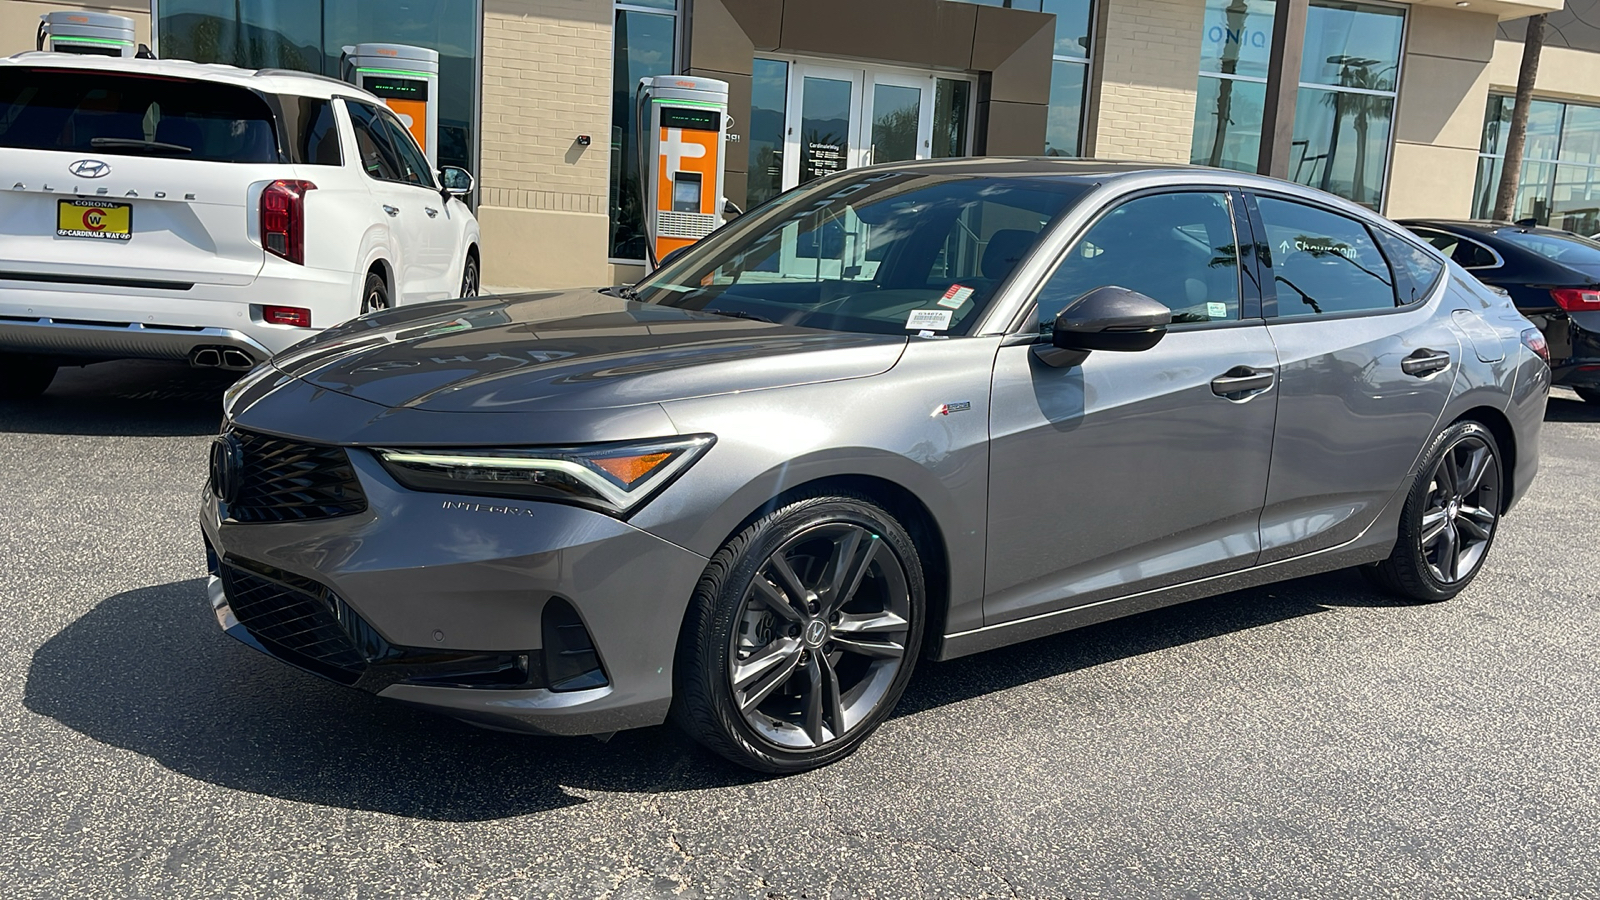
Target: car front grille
[
  {"x": 297, "y": 619},
  {"x": 288, "y": 481}
]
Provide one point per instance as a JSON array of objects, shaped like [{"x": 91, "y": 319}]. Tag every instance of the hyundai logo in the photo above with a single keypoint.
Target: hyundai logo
[
  {"x": 90, "y": 168},
  {"x": 227, "y": 468}
]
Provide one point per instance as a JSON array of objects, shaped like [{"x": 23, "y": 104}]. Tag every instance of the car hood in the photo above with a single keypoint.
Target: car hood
[{"x": 570, "y": 351}]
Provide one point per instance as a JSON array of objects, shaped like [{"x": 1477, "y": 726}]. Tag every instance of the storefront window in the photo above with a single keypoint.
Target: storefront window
[
  {"x": 951, "y": 101},
  {"x": 644, "y": 45},
  {"x": 1069, "y": 75},
  {"x": 769, "y": 97},
  {"x": 308, "y": 35},
  {"x": 1560, "y": 183},
  {"x": 1344, "y": 111}
]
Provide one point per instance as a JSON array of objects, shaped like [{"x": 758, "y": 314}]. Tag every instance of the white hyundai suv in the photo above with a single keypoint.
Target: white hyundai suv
[{"x": 172, "y": 210}]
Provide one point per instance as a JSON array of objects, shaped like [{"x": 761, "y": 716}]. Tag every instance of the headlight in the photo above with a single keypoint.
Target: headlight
[{"x": 610, "y": 478}]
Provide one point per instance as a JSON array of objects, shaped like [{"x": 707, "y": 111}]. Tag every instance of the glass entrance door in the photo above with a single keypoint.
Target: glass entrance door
[{"x": 839, "y": 118}]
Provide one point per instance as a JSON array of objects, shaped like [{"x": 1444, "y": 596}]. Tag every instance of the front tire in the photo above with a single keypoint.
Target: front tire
[
  {"x": 801, "y": 635},
  {"x": 1449, "y": 520},
  {"x": 24, "y": 377},
  {"x": 375, "y": 294},
  {"x": 1590, "y": 395}
]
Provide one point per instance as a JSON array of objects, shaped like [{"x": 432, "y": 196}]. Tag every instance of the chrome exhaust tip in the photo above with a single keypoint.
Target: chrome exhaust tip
[
  {"x": 205, "y": 358},
  {"x": 237, "y": 359}
]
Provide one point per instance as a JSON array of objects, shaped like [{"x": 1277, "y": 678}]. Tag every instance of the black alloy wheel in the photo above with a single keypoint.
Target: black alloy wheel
[
  {"x": 469, "y": 278},
  {"x": 802, "y": 635},
  {"x": 375, "y": 294},
  {"x": 23, "y": 377},
  {"x": 1449, "y": 520}
]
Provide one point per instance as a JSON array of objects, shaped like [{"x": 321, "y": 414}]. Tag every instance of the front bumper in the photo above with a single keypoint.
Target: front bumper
[{"x": 426, "y": 585}]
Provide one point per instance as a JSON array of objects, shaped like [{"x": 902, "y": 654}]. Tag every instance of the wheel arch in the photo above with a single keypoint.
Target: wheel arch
[{"x": 909, "y": 510}]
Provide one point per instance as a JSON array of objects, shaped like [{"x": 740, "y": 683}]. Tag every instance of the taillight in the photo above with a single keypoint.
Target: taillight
[
  {"x": 1533, "y": 339},
  {"x": 287, "y": 315},
  {"x": 283, "y": 219},
  {"x": 1576, "y": 299}
]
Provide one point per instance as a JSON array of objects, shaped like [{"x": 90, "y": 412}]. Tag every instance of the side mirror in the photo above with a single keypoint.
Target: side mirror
[
  {"x": 730, "y": 210},
  {"x": 455, "y": 181},
  {"x": 673, "y": 256},
  {"x": 1106, "y": 318}
]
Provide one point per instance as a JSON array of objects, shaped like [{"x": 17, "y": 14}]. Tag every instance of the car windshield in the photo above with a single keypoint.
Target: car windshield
[
  {"x": 884, "y": 252},
  {"x": 116, "y": 114},
  {"x": 1563, "y": 248}
]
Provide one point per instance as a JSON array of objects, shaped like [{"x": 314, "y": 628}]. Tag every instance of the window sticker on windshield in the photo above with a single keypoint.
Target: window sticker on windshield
[
  {"x": 1216, "y": 310},
  {"x": 929, "y": 320},
  {"x": 957, "y": 295}
]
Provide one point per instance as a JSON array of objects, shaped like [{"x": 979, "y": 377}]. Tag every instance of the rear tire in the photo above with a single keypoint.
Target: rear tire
[
  {"x": 1450, "y": 518},
  {"x": 801, "y": 635},
  {"x": 469, "y": 278},
  {"x": 1591, "y": 395},
  {"x": 375, "y": 294},
  {"x": 23, "y": 377}
]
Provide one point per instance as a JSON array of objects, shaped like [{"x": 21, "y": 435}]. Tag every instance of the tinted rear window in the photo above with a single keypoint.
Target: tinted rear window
[
  {"x": 111, "y": 114},
  {"x": 1563, "y": 248}
]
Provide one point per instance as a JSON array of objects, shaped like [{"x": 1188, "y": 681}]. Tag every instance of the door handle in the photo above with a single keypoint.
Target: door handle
[
  {"x": 432, "y": 213},
  {"x": 1425, "y": 362},
  {"x": 391, "y": 210},
  {"x": 1242, "y": 383}
]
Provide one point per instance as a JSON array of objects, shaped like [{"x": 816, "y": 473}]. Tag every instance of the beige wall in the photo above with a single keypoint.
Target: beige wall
[
  {"x": 1564, "y": 73},
  {"x": 1147, "y": 56},
  {"x": 546, "y": 80},
  {"x": 19, "y": 19},
  {"x": 1444, "y": 87}
]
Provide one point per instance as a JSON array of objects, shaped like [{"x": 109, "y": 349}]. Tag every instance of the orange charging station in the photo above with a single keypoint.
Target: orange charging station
[
  {"x": 684, "y": 122},
  {"x": 406, "y": 79}
]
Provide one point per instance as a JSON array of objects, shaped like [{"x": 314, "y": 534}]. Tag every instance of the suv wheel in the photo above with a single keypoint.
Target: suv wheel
[
  {"x": 801, "y": 635},
  {"x": 469, "y": 278},
  {"x": 22, "y": 377},
  {"x": 1591, "y": 395},
  {"x": 1449, "y": 520},
  {"x": 375, "y": 294}
]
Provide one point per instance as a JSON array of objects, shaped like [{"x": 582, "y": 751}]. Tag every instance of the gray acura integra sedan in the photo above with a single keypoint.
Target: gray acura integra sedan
[{"x": 904, "y": 412}]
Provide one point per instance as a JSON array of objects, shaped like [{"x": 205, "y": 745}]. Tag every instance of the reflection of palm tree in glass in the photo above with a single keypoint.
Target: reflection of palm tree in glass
[
  {"x": 1236, "y": 12},
  {"x": 1356, "y": 72},
  {"x": 894, "y": 136}
]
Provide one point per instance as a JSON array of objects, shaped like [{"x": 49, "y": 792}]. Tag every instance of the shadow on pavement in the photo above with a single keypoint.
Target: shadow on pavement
[
  {"x": 148, "y": 671},
  {"x": 136, "y": 398},
  {"x": 1568, "y": 408}
]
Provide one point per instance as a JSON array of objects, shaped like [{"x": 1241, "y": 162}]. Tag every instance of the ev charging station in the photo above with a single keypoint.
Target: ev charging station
[
  {"x": 406, "y": 79},
  {"x": 682, "y": 121},
  {"x": 86, "y": 33}
]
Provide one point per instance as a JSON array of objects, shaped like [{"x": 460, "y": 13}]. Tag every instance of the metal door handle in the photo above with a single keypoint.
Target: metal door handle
[
  {"x": 1241, "y": 382},
  {"x": 432, "y": 213},
  {"x": 391, "y": 210},
  {"x": 1425, "y": 362}
]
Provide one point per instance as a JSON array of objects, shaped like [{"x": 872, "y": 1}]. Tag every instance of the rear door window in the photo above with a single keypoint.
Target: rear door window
[
  {"x": 1323, "y": 262},
  {"x": 1416, "y": 270},
  {"x": 117, "y": 114}
]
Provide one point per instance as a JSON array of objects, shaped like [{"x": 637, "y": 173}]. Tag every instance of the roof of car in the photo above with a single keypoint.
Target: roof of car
[
  {"x": 1480, "y": 226},
  {"x": 276, "y": 81}
]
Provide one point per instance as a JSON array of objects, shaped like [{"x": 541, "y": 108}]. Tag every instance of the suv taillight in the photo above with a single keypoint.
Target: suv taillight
[
  {"x": 1576, "y": 299},
  {"x": 1533, "y": 339},
  {"x": 283, "y": 219}
]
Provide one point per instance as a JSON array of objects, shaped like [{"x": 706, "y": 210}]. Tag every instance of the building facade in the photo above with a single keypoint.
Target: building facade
[{"x": 1395, "y": 105}]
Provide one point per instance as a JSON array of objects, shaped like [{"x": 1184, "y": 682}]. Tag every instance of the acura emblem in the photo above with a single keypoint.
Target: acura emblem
[
  {"x": 227, "y": 468},
  {"x": 90, "y": 168}
]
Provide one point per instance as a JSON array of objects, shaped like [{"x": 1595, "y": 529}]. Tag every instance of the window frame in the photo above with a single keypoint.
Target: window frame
[
  {"x": 354, "y": 127},
  {"x": 1252, "y": 300},
  {"x": 1269, "y": 284}
]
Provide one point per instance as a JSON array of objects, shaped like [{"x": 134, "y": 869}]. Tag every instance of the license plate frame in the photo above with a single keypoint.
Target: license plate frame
[{"x": 115, "y": 219}]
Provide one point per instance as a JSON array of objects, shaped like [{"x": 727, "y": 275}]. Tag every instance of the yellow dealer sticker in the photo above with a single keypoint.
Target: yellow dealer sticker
[{"x": 94, "y": 219}]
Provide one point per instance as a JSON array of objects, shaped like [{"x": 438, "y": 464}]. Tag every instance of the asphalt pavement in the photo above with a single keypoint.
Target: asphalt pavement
[{"x": 1308, "y": 739}]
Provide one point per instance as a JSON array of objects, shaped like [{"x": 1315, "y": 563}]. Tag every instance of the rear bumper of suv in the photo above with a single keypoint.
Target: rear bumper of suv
[{"x": 96, "y": 322}]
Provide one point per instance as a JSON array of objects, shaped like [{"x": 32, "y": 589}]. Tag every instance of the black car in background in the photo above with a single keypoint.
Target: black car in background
[{"x": 1553, "y": 276}]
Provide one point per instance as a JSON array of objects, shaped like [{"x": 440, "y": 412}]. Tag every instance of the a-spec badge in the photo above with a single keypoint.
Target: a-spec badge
[
  {"x": 945, "y": 409},
  {"x": 89, "y": 168}
]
